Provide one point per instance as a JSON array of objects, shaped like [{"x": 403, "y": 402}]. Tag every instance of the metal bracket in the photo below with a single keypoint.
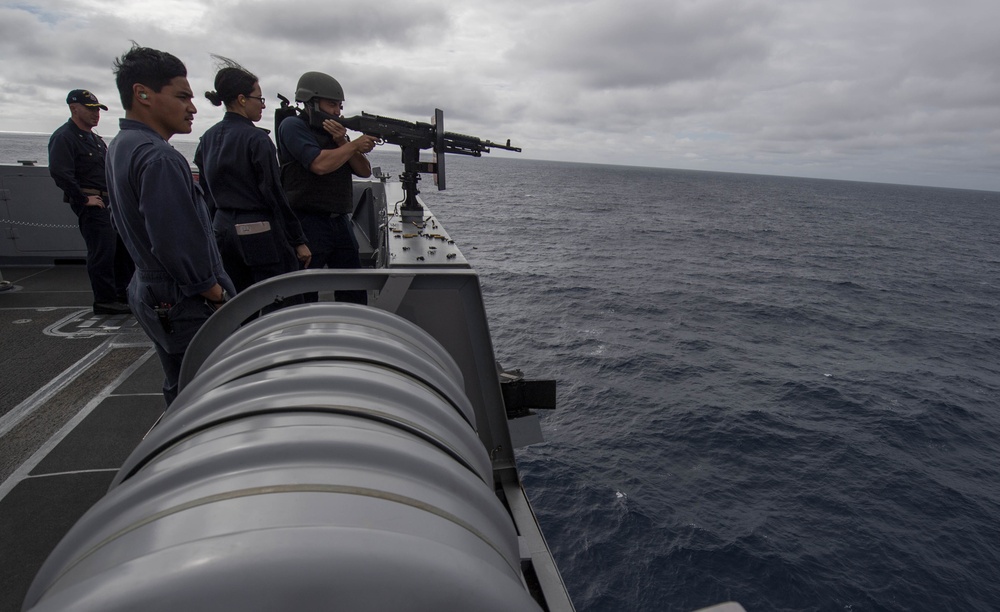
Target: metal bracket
[{"x": 393, "y": 292}]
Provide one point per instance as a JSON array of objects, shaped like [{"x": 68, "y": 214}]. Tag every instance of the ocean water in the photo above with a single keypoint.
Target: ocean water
[{"x": 783, "y": 392}]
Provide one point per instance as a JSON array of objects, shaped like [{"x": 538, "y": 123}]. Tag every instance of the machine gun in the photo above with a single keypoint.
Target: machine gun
[{"x": 411, "y": 137}]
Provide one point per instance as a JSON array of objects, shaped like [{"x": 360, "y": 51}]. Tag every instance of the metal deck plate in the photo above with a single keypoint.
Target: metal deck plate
[{"x": 422, "y": 242}]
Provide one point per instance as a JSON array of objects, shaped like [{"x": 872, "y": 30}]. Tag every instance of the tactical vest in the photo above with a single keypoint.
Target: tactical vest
[{"x": 326, "y": 194}]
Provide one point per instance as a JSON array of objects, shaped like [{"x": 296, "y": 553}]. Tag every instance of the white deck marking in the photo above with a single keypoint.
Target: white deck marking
[
  {"x": 71, "y": 473},
  {"x": 25, "y": 468},
  {"x": 38, "y": 398},
  {"x": 81, "y": 323}
]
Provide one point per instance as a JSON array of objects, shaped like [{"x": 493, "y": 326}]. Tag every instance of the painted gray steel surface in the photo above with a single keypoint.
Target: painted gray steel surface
[
  {"x": 347, "y": 475},
  {"x": 36, "y": 226}
]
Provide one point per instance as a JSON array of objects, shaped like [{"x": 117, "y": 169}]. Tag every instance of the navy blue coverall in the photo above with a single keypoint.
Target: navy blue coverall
[
  {"x": 238, "y": 169},
  {"x": 162, "y": 217}
]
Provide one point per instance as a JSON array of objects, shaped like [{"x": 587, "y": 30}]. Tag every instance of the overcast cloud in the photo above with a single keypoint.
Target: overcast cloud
[{"x": 903, "y": 91}]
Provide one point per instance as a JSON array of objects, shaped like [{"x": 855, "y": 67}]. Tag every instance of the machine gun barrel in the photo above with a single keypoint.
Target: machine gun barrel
[{"x": 472, "y": 145}]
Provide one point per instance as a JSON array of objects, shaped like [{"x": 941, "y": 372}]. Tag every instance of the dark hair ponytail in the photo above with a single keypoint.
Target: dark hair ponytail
[
  {"x": 214, "y": 98},
  {"x": 231, "y": 81}
]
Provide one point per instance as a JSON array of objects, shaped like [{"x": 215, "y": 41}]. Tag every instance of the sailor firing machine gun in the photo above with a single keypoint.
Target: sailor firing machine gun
[{"x": 412, "y": 137}]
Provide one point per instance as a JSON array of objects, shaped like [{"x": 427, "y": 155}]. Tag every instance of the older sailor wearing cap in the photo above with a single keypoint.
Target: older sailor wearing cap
[{"x": 76, "y": 162}]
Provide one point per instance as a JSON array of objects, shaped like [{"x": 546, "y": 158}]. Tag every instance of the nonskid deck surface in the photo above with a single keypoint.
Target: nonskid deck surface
[{"x": 77, "y": 393}]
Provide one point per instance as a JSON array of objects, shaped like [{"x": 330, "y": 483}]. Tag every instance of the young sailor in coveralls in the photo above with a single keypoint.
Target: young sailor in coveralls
[
  {"x": 160, "y": 211},
  {"x": 76, "y": 163}
]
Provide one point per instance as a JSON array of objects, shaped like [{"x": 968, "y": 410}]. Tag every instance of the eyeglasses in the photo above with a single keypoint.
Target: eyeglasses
[{"x": 261, "y": 98}]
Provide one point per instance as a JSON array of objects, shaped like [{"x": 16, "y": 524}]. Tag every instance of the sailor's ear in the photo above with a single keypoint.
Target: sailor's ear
[{"x": 140, "y": 92}]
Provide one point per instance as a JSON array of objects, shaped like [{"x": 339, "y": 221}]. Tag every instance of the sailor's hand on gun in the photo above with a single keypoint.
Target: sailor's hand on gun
[
  {"x": 96, "y": 201},
  {"x": 364, "y": 144},
  {"x": 336, "y": 130}
]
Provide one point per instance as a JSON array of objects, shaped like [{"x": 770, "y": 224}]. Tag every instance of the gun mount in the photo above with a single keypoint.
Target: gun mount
[{"x": 412, "y": 137}]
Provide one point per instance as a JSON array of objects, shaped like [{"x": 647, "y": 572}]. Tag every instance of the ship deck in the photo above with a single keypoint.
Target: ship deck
[{"x": 78, "y": 393}]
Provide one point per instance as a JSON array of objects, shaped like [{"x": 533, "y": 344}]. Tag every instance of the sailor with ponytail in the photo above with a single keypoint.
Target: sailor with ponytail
[{"x": 256, "y": 231}]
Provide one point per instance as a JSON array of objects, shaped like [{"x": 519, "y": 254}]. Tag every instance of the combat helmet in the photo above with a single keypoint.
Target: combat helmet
[{"x": 318, "y": 85}]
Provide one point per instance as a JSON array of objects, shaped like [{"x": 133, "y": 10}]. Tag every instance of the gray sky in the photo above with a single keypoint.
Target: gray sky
[{"x": 900, "y": 91}]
